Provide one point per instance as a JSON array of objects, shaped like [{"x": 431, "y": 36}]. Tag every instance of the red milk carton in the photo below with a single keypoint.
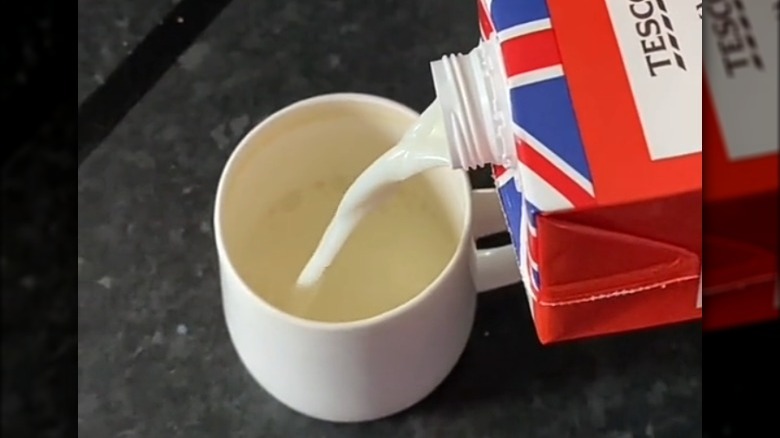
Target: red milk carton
[
  {"x": 606, "y": 205},
  {"x": 741, "y": 178}
]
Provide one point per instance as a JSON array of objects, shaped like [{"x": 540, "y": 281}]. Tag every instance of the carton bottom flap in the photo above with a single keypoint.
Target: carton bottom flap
[
  {"x": 583, "y": 262},
  {"x": 733, "y": 265},
  {"x": 752, "y": 303}
]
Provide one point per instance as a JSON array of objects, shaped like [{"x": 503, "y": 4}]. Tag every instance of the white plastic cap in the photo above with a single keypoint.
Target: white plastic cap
[{"x": 474, "y": 100}]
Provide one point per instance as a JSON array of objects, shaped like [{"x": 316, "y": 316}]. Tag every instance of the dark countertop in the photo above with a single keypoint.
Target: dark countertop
[
  {"x": 154, "y": 358},
  {"x": 108, "y": 31}
]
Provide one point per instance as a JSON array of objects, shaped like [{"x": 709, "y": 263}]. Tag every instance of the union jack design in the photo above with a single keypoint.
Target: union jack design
[{"x": 554, "y": 168}]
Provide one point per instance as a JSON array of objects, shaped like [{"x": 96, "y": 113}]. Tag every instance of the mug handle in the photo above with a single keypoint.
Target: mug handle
[{"x": 496, "y": 267}]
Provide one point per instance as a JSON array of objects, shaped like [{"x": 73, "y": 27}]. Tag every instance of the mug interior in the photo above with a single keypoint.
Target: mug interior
[{"x": 322, "y": 138}]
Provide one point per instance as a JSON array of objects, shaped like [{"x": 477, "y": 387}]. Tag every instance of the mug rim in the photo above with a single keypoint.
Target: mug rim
[{"x": 241, "y": 149}]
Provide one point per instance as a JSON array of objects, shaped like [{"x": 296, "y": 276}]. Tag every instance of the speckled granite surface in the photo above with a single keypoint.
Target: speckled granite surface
[
  {"x": 154, "y": 355},
  {"x": 108, "y": 31}
]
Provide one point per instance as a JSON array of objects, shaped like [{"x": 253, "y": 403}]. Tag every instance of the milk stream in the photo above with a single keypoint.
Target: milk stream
[{"x": 423, "y": 147}]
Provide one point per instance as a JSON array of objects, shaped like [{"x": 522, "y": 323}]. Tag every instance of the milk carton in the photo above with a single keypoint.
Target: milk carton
[{"x": 605, "y": 206}]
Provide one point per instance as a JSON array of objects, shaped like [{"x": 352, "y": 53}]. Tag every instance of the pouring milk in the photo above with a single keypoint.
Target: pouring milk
[{"x": 468, "y": 126}]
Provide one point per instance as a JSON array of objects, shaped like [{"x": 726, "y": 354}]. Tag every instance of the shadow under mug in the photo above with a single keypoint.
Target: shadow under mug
[{"x": 374, "y": 367}]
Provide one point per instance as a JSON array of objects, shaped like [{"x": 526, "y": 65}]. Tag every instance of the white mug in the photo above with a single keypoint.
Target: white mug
[{"x": 374, "y": 367}]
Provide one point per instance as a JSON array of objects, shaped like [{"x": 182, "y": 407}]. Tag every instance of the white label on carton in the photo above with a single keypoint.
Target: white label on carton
[
  {"x": 740, "y": 55},
  {"x": 660, "y": 41}
]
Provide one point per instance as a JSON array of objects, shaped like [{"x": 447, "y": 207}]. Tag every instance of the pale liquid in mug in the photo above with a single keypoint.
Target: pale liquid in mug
[
  {"x": 423, "y": 147},
  {"x": 393, "y": 254}
]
